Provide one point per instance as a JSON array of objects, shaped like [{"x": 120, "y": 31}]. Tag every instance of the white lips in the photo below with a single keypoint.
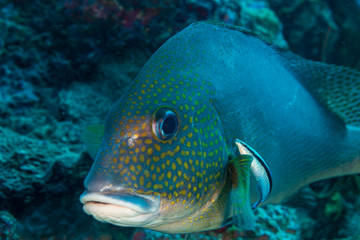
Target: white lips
[{"x": 120, "y": 209}]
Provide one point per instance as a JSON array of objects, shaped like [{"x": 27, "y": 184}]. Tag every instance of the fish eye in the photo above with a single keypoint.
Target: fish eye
[{"x": 165, "y": 123}]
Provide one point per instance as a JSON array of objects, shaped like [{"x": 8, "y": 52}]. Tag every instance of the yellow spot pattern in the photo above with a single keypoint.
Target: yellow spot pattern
[{"x": 186, "y": 170}]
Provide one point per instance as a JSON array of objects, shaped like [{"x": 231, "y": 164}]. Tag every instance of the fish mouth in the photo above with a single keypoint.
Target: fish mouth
[{"x": 121, "y": 208}]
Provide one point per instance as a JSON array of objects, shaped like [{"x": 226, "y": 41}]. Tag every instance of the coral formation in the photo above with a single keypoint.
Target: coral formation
[
  {"x": 63, "y": 64},
  {"x": 7, "y": 226}
]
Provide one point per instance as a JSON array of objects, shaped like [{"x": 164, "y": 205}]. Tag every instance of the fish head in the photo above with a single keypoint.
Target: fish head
[{"x": 163, "y": 155}]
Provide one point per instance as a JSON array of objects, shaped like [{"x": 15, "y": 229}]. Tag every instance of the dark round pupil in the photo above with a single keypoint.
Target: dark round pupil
[
  {"x": 169, "y": 124},
  {"x": 165, "y": 123}
]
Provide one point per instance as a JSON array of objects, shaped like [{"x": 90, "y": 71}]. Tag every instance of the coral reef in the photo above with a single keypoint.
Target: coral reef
[
  {"x": 321, "y": 30},
  {"x": 306, "y": 24},
  {"x": 63, "y": 64},
  {"x": 7, "y": 226}
]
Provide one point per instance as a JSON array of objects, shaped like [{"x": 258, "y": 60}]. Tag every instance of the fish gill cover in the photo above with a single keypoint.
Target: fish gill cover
[{"x": 63, "y": 64}]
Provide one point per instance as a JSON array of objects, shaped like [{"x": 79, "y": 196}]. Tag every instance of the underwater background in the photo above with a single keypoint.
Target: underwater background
[{"x": 64, "y": 63}]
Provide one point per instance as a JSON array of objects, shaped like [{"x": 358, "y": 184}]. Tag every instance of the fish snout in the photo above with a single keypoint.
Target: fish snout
[{"x": 121, "y": 208}]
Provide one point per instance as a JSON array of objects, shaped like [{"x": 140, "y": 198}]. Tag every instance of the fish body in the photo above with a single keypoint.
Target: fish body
[{"x": 168, "y": 159}]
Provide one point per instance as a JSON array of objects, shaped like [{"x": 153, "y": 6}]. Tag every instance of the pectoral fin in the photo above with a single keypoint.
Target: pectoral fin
[
  {"x": 92, "y": 137},
  {"x": 242, "y": 213}
]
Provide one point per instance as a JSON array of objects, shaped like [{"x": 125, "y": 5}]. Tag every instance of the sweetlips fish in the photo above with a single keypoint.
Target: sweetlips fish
[{"x": 216, "y": 123}]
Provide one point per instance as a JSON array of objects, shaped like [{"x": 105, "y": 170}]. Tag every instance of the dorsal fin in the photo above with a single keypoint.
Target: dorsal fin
[
  {"x": 335, "y": 87},
  {"x": 236, "y": 28},
  {"x": 227, "y": 26}
]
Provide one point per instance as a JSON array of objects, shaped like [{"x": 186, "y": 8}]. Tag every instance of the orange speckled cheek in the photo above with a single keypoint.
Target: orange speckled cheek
[{"x": 186, "y": 170}]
